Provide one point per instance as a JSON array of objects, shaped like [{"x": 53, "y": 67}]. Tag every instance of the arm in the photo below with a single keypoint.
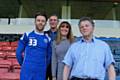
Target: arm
[
  {"x": 66, "y": 72},
  {"x": 49, "y": 53},
  {"x": 49, "y": 48},
  {"x": 111, "y": 72},
  {"x": 54, "y": 62},
  {"x": 109, "y": 64},
  {"x": 69, "y": 63},
  {"x": 20, "y": 50}
]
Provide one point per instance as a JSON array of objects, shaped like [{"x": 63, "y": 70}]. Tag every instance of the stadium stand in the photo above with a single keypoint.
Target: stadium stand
[
  {"x": 9, "y": 67},
  {"x": 114, "y": 44}
]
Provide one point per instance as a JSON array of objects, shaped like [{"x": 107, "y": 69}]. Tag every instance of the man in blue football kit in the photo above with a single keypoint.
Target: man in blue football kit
[{"x": 36, "y": 48}]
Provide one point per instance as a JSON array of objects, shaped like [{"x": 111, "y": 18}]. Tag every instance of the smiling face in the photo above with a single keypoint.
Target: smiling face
[
  {"x": 40, "y": 22},
  {"x": 86, "y": 28},
  {"x": 53, "y": 21},
  {"x": 64, "y": 29},
  {"x": 64, "y": 32}
]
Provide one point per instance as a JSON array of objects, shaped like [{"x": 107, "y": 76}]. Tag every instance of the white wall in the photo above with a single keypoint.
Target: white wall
[
  {"x": 99, "y": 31},
  {"x": 103, "y": 28}
]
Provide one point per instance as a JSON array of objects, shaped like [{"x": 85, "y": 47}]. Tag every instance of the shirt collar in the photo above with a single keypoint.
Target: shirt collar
[
  {"x": 42, "y": 33},
  {"x": 64, "y": 38},
  {"x": 52, "y": 32},
  {"x": 83, "y": 40}
]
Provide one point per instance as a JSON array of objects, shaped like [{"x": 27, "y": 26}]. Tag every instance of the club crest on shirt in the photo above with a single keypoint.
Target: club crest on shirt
[{"x": 45, "y": 40}]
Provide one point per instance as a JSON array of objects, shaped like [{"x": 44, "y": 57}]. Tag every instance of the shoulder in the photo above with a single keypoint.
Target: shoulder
[
  {"x": 25, "y": 35},
  {"x": 101, "y": 42},
  {"x": 75, "y": 44},
  {"x": 28, "y": 33},
  {"x": 77, "y": 38},
  {"x": 46, "y": 34}
]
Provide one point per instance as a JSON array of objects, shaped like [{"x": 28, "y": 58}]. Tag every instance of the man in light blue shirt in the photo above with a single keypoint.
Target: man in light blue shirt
[{"x": 89, "y": 58}]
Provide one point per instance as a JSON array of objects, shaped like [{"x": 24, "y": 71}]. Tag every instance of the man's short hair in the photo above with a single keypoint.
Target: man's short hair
[
  {"x": 54, "y": 15},
  {"x": 41, "y": 14},
  {"x": 86, "y": 19}
]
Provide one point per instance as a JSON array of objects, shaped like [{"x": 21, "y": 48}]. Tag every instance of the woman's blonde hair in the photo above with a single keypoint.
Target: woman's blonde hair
[{"x": 69, "y": 35}]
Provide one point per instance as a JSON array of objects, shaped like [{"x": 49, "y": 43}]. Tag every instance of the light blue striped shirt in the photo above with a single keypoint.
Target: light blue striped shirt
[{"x": 89, "y": 59}]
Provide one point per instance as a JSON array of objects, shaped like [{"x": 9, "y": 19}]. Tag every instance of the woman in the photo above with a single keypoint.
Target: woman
[{"x": 60, "y": 46}]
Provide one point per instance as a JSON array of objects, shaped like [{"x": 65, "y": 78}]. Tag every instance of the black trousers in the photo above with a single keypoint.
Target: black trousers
[
  {"x": 49, "y": 73},
  {"x": 75, "y": 78}
]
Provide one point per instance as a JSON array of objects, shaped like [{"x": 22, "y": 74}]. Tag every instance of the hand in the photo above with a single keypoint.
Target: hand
[{"x": 54, "y": 78}]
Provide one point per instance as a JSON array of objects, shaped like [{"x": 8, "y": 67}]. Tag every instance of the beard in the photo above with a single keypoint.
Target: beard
[{"x": 39, "y": 29}]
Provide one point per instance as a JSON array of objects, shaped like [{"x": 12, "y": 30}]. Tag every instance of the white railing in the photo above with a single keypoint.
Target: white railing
[
  {"x": 73, "y": 22},
  {"x": 105, "y": 28},
  {"x": 3, "y": 21}
]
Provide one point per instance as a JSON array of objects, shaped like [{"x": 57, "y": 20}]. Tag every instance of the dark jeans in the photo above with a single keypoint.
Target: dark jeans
[
  {"x": 49, "y": 73},
  {"x": 75, "y": 78}
]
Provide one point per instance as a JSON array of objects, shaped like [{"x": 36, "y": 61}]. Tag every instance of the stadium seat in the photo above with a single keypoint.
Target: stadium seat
[
  {"x": 6, "y": 48},
  {"x": 5, "y": 62},
  {"x": 0, "y": 48},
  {"x": 11, "y": 55},
  {"x": 14, "y": 44},
  {"x": 15, "y": 65},
  {"x": 15, "y": 62},
  {"x": 5, "y": 66},
  {"x": 3, "y": 55},
  {"x": 13, "y": 48},
  {"x": 4, "y": 43},
  {"x": 16, "y": 69},
  {"x": 117, "y": 52},
  {"x": 9, "y": 76}
]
